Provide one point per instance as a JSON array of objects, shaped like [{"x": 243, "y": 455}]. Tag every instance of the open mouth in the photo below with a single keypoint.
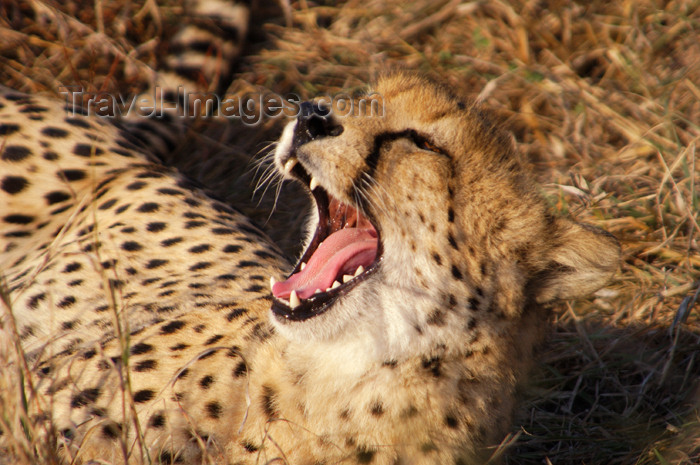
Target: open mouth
[{"x": 344, "y": 251}]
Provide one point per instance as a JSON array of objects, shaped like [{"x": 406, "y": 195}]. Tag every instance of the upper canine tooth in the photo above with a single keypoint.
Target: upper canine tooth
[
  {"x": 289, "y": 165},
  {"x": 313, "y": 184},
  {"x": 318, "y": 291},
  {"x": 360, "y": 269},
  {"x": 273, "y": 281},
  {"x": 347, "y": 277},
  {"x": 335, "y": 284},
  {"x": 294, "y": 300}
]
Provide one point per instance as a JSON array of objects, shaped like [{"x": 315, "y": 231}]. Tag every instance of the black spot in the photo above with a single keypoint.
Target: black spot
[
  {"x": 14, "y": 153},
  {"x": 18, "y": 219},
  {"x": 169, "y": 191},
  {"x": 170, "y": 242},
  {"x": 213, "y": 340},
  {"x": 433, "y": 365},
  {"x": 66, "y": 302},
  {"x": 172, "y": 327},
  {"x": 141, "y": 348},
  {"x": 67, "y": 325},
  {"x": 155, "y": 263},
  {"x": 84, "y": 397},
  {"x": 34, "y": 109},
  {"x": 122, "y": 209},
  {"x": 452, "y": 241},
  {"x": 156, "y": 226},
  {"x": 136, "y": 185},
  {"x": 247, "y": 264},
  {"x": 214, "y": 409},
  {"x": 206, "y": 382},
  {"x": 227, "y": 277},
  {"x": 390, "y": 363},
  {"x": 71, "y": 175},
  {"x": 456, "y": 273},
  {"x": 7, "y": 129},
  {"x": 111, "y": 430},
  {"x": 377, "y": 409},
  {"x": 365, "y": 455},
  {"x": 268, "y": 402},
  {"x": 235, "y": 313},
  {"x": 50, "y": 155},
  {"x": 222, "y": 231},
  {"x": 54, "y": 132},
  {"x": 131, "y": 246},
  {"x": 179, "y": 346},
  {"x": 473, "y": 303},
  {"x": 56, "y": 197},
  {"x": 230, "y": 248},
  {"x": 450, "y": 215},
  {"x": 167, "y": 458},
  {"x": 148, "y": 207},
  {"x": 200, "y": 266},
  {"x": 194, "y": 224},
  {"x": 144, "y": 395},
  {"x": 183, "y": 373},
  {"x": 88, "y": 354},
  {"x": 157, "y": 420},
  {"x": 253, "y": 288},
  {"x": 199, "y": 248},
  {"x": 451, "y": 421},
  {"x": 240, "y": 370},
  {"x": 437, "y": 258},
  {"x": 14, "y": 184},
  {"x": 86, "y": 150},
  {"x": 250, "y": 447},
  {"x": 108, "y": 204},
  {"x": 437, "y": 318},
  {"x": 146, "y": 365}
]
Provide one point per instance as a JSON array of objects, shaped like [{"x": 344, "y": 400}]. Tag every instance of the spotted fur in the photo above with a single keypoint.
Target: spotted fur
[{"x": 144, "y": 314}]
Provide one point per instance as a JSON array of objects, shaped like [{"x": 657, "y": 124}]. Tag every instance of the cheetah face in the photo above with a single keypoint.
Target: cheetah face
[{"x": 424, "y": 218}]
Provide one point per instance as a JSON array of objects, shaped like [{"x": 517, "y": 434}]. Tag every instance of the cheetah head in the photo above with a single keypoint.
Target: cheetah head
[{"x": 424, "y": 217}]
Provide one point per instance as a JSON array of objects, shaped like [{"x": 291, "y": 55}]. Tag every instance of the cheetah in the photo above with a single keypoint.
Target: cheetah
[{"x": 160, "y": 325}]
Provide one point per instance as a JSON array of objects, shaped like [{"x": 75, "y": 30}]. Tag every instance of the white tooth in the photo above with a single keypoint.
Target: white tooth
[
  {"x": 318, "y": 291},
  {"x": 303, "y": 265},
  {"x": 360, "y": 269},
  {"x": 347, "y": 277},
  {"x": 273, "y": 281},
  {"x": 313, "y": 184},
  {"x": 294, "y": 300},
  {"x": 290, "y": 165},
  {"x": 335, "y": 284}
]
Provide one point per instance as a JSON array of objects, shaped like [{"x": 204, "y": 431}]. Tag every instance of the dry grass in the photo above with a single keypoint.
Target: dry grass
[{"x": 604, "y": 100}]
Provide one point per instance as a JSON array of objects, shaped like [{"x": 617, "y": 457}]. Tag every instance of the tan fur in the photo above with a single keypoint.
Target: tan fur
[{"x": 416, "y": 365}]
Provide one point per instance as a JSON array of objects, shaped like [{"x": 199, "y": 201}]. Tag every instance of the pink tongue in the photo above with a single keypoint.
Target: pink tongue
[{"x": 341, "y": 253}]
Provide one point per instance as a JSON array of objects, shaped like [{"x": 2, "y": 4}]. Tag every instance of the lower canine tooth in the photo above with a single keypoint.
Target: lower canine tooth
[
  {"x": 346, "y": 278},
  {"x": 313, "y": 184},
  {"x": 303, "y": 265},
  {"x": 360, "y": 269},
  {"x": 294, "y": 300},
  {"x": 318, "y": 291},
  {"x": 335, "y": 284}
]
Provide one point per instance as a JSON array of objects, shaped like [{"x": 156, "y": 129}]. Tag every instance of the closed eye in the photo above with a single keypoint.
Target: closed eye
[{"x": 425, "y": 144}]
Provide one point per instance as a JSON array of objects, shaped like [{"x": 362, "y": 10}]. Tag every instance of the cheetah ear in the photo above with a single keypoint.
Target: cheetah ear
[{"x": 583, "y": 260}]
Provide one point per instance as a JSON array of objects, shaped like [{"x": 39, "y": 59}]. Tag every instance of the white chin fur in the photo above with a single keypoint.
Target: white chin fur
[{"x": 284, "y": 146}]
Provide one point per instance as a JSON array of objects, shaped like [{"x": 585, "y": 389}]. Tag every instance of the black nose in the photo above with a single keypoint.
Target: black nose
[{"x": 315, "y": 122}]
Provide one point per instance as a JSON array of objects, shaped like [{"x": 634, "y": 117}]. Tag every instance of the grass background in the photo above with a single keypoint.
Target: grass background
[{"x": 604, "y": 101}]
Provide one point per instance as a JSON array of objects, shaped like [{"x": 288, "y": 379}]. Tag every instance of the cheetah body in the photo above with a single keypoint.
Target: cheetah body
[{"x": 149, "y": 328}]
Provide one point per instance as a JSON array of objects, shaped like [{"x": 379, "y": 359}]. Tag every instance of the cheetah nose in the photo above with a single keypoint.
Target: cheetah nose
[{"x": 315, "y": 122}]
